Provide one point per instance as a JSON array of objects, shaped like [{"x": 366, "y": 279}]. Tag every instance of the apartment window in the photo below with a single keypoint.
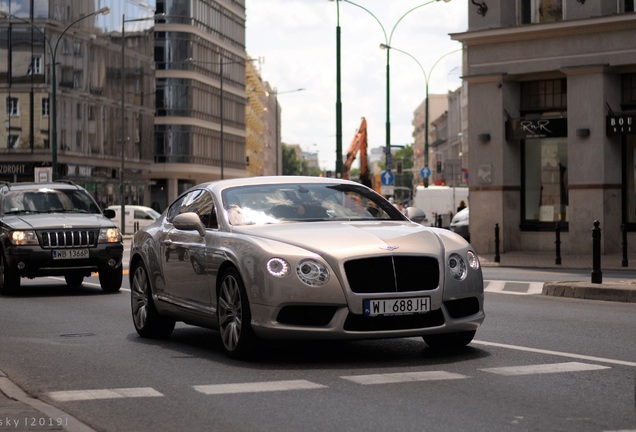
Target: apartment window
[
  {"x": 544, "y": 95},
  {"x": 13, "y": 141},
  {"x": 45, "y": 107},
  {"x": 77, "y": 48},
  {"x": 77, "y": 79},
  {"x": 78, "y": 109},
  {"x": 78, "y": 140},
  {"x": 13, "y": 106},
  {"x": 629, "y": 5},
  {"x": 35, "y": 68},
  {"x": 540, "y": 11},
  {"x": 91, "y": 113}
]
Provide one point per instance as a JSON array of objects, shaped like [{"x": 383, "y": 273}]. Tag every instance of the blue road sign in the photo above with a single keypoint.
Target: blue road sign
[
  {"x": 425, "y": 172},
  {"x": 387, "y": 178}
]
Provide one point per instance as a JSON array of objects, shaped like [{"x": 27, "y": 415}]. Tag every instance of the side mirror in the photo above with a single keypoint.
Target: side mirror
[
  {"x": 189, "y": 221},
  {"x": 416, "y": 214},
  {"x": 109, "y": 213}
]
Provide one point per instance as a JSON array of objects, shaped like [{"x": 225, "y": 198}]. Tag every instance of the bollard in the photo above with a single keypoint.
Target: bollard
[
  {"x": 557, "y": 242},
  {"x": 624, "y": 231},
  {"x": 497, "y": 257},
  {"x": 439, "y": 221},
  {"x": 597, "y": 274}
]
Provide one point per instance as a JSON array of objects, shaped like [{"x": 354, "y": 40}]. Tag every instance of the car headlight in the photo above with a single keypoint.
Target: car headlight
[
  {"x": 109, "y": 235},
  {"x": 312, "y": 273},
  {"x": 473, "y": 261},
  {"x": 457, "y": 266},
  {"x": 277, "y": 267},
  {"x": 21, "y": 238}
]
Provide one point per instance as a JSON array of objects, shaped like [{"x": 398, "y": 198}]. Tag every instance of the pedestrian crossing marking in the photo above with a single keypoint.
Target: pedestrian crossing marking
[
  {"x": 545, "y": 368},
  {"x": 513, "y": 287},
  {"x": 82, "y": 395},
  {"x": 393, "y": 378},
  {"x": 257, "y": 387}
]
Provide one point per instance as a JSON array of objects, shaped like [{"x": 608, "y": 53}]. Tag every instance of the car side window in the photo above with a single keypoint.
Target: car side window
[{"x": 198, "y": 201}]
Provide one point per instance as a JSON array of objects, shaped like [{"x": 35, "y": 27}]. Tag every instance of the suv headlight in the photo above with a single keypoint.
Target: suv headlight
[
  {"x": 109, "y": 235},
  {"x": 21, "y": 238}
]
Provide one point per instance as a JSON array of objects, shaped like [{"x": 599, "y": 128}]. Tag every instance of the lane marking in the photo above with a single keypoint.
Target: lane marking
[
  {"x": 556, "y": 353},
  {"x": 544, "y": 368},
  {"x": 257, "y": 387},
  {"x": 392, "y": 378},
  {"x": 82, "y": 395},
  {"x": 513, "y": 287}
]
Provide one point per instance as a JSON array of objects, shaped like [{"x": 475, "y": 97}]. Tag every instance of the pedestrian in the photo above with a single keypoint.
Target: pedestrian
[{"x": 462, "y": 206}]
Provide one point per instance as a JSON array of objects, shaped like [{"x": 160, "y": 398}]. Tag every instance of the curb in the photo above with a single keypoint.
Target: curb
[{"x": 624, "y": 291}]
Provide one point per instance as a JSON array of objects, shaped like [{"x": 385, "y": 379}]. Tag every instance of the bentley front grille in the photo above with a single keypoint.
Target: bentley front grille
[
  {"x": 390, "y": 274},
  {"x": 68, "y": 239}
]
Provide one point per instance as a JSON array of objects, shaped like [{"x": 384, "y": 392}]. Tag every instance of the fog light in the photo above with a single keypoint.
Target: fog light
[
  {"x": 112, "y": 262},
  {"x": 21, "y": 265}
]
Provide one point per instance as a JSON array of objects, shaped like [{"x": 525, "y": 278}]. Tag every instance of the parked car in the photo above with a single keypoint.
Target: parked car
[
  {"x": 302, "y": 258},
  {"x": 460, "y": 223},
  {"x": 56, "y": 229},
  {"x": 136, "y": 216}
]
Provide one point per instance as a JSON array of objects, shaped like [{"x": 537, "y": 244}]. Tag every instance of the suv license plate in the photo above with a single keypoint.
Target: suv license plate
[
  {"x": 397, "y": 306},
  {"x": 59, "y": 254}
]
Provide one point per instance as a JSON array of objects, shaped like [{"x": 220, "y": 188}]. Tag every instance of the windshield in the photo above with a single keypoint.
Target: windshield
[
  {"x": 262, "y": 204},
  {"x": 46, "y": 200}
]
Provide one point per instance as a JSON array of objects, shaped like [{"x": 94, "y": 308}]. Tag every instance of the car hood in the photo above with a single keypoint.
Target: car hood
[
  {"x": 346, "y": 239},
  {"x": 58, "y": 220}
]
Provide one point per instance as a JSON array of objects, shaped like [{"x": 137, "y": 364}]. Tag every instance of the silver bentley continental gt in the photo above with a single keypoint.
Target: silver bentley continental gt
[{"x": 302, "y": 258}]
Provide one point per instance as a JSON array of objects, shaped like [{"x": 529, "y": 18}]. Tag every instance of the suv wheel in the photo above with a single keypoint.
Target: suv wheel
[
  {"x": 9, "y": 281},
  {"x": 110, "y": 279}
]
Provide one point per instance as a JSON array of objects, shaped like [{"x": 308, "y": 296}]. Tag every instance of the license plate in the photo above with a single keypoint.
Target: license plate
[
  {"x": 70, "y": 254},
  {"x": 397, "y": 306}
]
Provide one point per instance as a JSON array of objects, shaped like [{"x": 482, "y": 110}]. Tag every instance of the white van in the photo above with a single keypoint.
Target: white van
[
  {"x": 136, "y": 217},
  {"x": 440, "y": 201}
]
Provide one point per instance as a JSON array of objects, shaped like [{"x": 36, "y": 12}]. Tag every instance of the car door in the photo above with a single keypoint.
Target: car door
[{"x": 185, "y": 254}]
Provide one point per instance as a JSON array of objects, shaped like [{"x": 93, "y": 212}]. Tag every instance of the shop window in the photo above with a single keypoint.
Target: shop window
[
  {"x": 540, "y": 11},
  {"x": 544, "y": 182},
  {"x": 630, "y": 185},
  {"x": 544, "y": 95}
]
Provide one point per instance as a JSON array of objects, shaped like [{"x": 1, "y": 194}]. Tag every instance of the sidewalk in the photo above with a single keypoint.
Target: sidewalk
[{"x": 583, "y": 288}]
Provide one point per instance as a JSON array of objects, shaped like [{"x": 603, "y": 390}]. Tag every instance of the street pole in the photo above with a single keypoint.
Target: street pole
[
  {"x": 122, "y": 119},
  {"x": 222, "y": 96},
  {"x": 339, "y": 166}
]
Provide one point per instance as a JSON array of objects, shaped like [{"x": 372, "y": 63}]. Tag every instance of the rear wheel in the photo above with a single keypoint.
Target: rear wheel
[
  {"x": 74, "y": 280},
  {"x": 9, "y": 280},
  {"x": 147, "y": 320},
  {"x": 234, "y": 316},
  {"x": 449, "y": 340},
  {"x": 110, "y": 279}
]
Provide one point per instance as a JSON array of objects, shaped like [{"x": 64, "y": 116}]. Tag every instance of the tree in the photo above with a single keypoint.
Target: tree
[{"x": 291, "y": 165}]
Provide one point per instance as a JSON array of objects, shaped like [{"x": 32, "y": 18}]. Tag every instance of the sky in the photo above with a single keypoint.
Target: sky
[{"x": 296, "y": 42}]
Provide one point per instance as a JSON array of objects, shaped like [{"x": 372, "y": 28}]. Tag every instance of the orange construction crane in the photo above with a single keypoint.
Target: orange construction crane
[{"x": 358, "y": 145}]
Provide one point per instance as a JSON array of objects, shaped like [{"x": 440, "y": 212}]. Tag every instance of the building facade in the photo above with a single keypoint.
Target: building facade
[
  {"x": 551, "y": 88},
  {"x": 201, "y": 98},
  {"x": 84, "y": 92}
]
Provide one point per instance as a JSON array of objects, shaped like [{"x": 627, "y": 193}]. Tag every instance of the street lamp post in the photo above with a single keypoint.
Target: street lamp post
[
  {"x": 122, "y": 117},
  {"x": 387, "y": 40},
  {"x": 53, "y": 52},
  {"x": 427, "y": 77}
]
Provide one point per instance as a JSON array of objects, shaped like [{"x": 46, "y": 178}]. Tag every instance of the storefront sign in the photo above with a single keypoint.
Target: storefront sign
[
  {"x": 16, "y": 169},
  {"x": 620, "y": 124},
  {"x": 519, "y": 129}
]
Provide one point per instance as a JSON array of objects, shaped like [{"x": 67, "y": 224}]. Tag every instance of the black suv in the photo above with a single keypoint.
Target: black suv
[{"x": 56, "y": 229}]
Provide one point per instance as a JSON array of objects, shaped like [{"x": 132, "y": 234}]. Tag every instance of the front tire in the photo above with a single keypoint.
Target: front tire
[
  {"x": 110, "y": 279},
  {"x": 234, "y": 316},
  {"x": 449, "y": 340},
  {"x": 146, "y": 319},
  {"x": 9, "y": 280}
]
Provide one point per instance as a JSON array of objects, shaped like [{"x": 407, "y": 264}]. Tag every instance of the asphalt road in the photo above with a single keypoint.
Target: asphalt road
[{"x": 538, "y": 363}]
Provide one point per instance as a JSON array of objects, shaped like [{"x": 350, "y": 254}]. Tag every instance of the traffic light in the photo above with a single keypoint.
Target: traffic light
[
  {"x": 439, "y": 167},
  {"x": 399, "y": 167}
]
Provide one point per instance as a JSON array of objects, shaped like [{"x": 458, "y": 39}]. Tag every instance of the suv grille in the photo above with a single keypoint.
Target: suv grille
[
  {"x": 68, "y": 239},
  {"x": 390, "y": 274}
]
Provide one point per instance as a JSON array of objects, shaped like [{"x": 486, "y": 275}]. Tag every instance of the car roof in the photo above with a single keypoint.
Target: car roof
[
  {"x": 60, "y": 185},
  {"x": 218, "y": 185}
]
